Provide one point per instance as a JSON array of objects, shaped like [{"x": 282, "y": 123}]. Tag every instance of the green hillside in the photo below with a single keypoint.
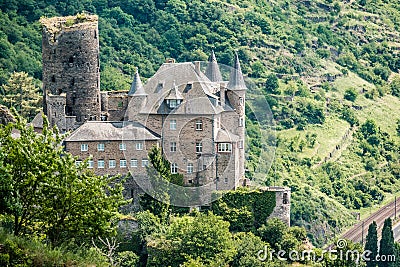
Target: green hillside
[{"x": 309, "y": 59}]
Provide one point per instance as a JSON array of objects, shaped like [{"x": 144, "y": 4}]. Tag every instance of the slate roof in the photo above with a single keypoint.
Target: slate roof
[
  {"x": 137, "y": 86},
  {"x": 212, "y": 72},
  {"x": 236, "y": 80},
  {"x": 37, "y": 122},
  {"x": 195, "y": 88},
  {"x": 226, "y": 136},
  {"x": 112, "y": 131},
  {"x": 174, "y": 93}
]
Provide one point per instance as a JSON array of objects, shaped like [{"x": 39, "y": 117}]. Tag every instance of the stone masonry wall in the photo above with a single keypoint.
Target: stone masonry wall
[
  {"x": 70, "y": 55},
  {"x": 282, "y": 208},
  {"x": 112, "y": 152}
]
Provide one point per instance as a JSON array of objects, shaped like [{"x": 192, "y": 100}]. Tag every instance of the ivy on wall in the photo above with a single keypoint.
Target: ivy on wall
[{"x": 245, "y": 209}]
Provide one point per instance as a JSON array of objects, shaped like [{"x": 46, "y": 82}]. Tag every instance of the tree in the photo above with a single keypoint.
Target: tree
[
  {"x": 395, "y": 86},
  {"x": 203, "y": 236},
  {"x": 47, "y": 193},
  {"x": 372, "y": 244},
  {"x": 349, "y": 116},
  {"x": 350, "y": 94},
  {"x": 273, "y": 232},
  {"x": 21, "y": 93},
  {"x": 272, "y": 84},
  {"x": 258, "y": 69},
  {"x": 398, "y": 127},
  {"x": 159, "y": 170},
  {"x": 386, "y": 248},
  {"x": 369, "y": 128},
  {"x": 247, "y": 247}
]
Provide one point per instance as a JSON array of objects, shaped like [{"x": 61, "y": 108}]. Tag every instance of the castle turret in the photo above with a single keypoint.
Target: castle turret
[
  {"x": 70, "y": 55},
  {"x": 212, "y": 72},
  {"x": 236, "y": 80},
  {"x": 137, "y": 85},
  {"x": 137, "y": 97},
  {"x": 236, "y": 93}
]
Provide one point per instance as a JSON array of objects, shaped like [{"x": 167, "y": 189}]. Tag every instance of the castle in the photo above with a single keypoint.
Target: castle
[{"x": 196, "y": 118}]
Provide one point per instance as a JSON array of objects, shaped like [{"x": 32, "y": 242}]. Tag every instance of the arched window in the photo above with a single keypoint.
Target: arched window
[{"x": 285, "y": 198}]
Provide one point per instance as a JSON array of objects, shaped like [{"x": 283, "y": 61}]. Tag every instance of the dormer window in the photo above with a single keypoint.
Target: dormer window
[
  {"x": 173, "y": 103},
  {"x": 174, "y": 97}
]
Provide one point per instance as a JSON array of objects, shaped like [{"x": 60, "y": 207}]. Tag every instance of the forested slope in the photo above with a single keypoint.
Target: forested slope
[{"x": 324, "y": 66}]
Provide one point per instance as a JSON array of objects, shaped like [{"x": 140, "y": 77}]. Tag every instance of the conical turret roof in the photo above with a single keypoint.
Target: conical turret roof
[
  {"x": 212, "y": 72},
  {"x": 137, "y": 86},
  {"x": 236, "y": 80}
]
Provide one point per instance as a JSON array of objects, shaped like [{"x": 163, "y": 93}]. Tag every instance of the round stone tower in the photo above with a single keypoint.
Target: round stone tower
[{"x": 70, "y": 55}]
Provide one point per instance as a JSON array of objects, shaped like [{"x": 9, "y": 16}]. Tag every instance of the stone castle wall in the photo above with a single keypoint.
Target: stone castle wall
[
  {"x": 70, "y": 55},
  {"x": 282, "y": 207}
]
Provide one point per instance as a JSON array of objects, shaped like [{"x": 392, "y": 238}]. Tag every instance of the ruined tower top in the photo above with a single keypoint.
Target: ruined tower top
[
  {"x": 56, "y": 25},
  {"x": 70, "y": 56}
]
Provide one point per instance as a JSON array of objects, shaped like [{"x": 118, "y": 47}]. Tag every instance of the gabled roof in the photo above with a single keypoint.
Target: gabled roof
[
  {"x": 236, "y": 80},
  {"x": 137, "y": 86},
  {"x": 37, "y": 122},
  {"x": 212, "y": 72},
  {"x": 174, "y": 93},
  {"x": 112, "y": 131}
]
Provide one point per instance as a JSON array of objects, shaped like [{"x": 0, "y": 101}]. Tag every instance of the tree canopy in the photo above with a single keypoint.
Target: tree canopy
[{"x": 47, "y": 193}]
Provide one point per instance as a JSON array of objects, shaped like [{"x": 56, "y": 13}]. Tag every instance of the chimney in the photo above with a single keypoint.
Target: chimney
[{"x": 197, "y": 67}]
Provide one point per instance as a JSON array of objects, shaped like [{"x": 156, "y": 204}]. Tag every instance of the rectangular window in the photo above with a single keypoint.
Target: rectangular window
[
  {"x": 174, "y": 168},
  {"x": 199, "y": 147},
  {"x": 173, "y": 146},
  {"x": 100, "y": 147},
  {"x": 240, "y": 144},
  {"x": 111, "y": 163},
  {"x": 199, "y": 125},
  {"x": 172, "y": 124},
  {"x": 100, "y": 164},
  {"x": 241, "y": 122},
  {"x": 134, "y": 163},
  {"x": 78, "y": 162},
  {"x": 139, "y": 146},
  {"x": 241, "y": 101},
  {"x": 122, "y": 146},
  {"x": 224, "y": 147},
  {"x": 190, "y": 168},
  {"x": 84, "y": 147},
  {"x": 145, "y": 162},
  {"x": 226, "y": 180},
  {"x": 90, "y": 164},
  {"x": 172, "y": 103},
  {"x": 122, "y": 163}
]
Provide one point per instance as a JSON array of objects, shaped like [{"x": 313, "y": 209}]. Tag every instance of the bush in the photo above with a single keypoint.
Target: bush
[
  {"x": 350, "y": 94},
  {"x": 349, "y": 116}
]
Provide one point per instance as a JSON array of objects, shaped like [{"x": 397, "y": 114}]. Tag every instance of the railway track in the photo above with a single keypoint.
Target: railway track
[{"x": 359, "y": 231}]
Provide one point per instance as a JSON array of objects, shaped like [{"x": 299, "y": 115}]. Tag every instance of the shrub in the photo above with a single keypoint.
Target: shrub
[{"x": 350, "y": 94}]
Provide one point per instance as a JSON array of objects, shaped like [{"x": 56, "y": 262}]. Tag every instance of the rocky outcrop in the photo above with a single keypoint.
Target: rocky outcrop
[{"x": 5, "y": 115}]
